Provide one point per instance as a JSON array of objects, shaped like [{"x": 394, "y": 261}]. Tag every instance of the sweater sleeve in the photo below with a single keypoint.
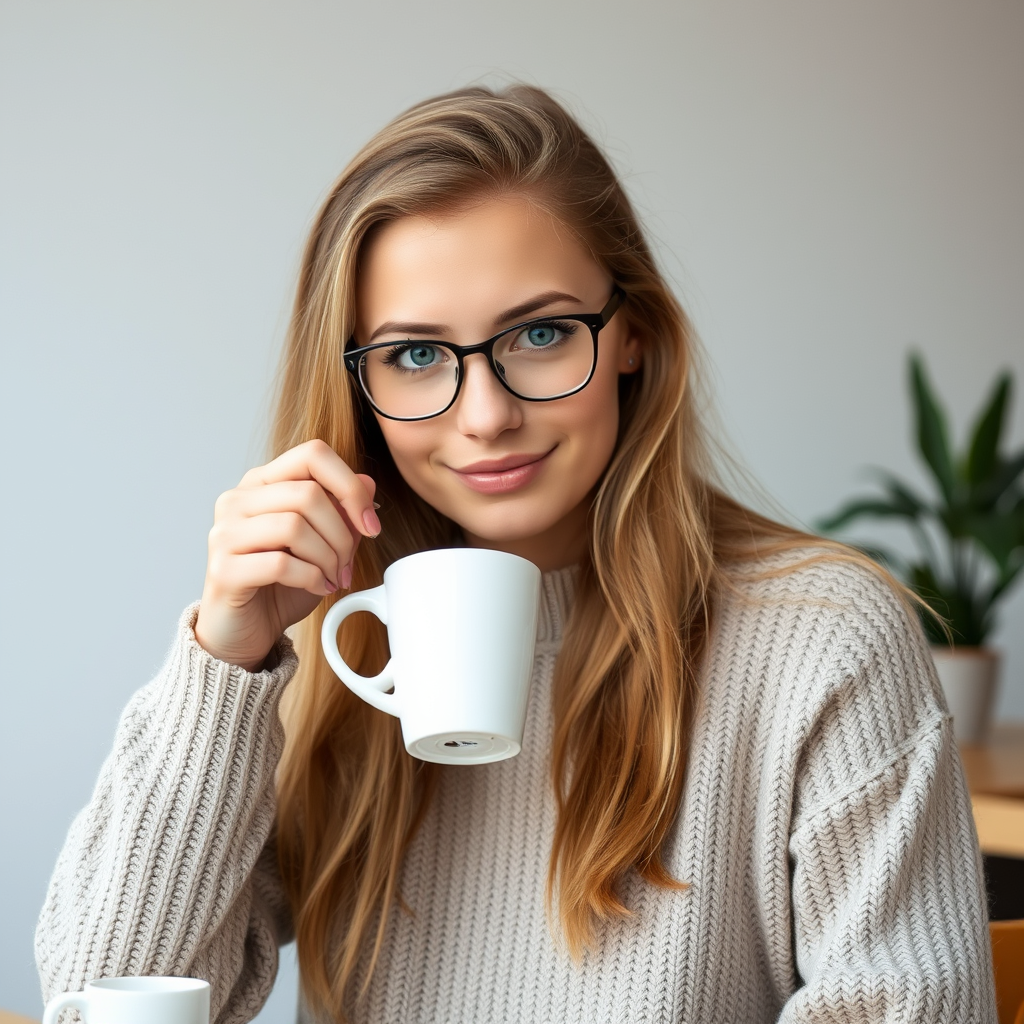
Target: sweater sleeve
[
  {"x": 888, "y": 897},
  {"x": 171, "y": 868}
]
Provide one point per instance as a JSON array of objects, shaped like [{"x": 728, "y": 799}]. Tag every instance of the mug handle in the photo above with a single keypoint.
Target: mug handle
[
  {"x": 65, "y": 1001},
  {"x": 370, "y": 688}
]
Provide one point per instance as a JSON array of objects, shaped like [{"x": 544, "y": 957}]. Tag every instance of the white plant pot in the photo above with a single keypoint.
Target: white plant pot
[{"x": 969, "y": 676}]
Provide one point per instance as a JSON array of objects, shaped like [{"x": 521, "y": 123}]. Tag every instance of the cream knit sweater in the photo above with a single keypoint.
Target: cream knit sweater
[{"x": 825, "y": 831}]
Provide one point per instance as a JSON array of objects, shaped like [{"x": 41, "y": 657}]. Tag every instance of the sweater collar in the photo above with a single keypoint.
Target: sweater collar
[{"x": 556, "y": 593}]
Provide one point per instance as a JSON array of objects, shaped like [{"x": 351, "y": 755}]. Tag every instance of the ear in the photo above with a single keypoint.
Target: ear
[{"x": 631, "y": 354}]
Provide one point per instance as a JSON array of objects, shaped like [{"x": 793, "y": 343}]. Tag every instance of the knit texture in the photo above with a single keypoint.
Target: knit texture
[{"x": 825, "y": 833}]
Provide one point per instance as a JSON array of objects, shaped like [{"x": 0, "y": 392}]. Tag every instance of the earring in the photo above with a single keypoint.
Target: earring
[{"x": 631, "y": 360}]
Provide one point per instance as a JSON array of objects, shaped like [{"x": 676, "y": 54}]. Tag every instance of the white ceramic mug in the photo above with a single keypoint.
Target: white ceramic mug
[
  {"x": 136, "y": 1001},
  {"x": 462, "y": 624}
]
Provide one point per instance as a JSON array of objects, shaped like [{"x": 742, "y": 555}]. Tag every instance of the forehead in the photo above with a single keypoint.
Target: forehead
[{"x": 493, "y": 254}]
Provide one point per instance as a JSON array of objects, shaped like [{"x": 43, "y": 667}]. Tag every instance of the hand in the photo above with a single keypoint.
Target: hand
[{"x": 281, "y": 540}]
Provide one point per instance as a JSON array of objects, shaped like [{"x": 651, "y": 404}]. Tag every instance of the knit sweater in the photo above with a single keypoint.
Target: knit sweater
[{"x": 825, "y": 834}]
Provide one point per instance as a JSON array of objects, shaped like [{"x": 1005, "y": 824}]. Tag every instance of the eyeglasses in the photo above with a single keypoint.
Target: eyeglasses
[{"x": 537, "y": 360}]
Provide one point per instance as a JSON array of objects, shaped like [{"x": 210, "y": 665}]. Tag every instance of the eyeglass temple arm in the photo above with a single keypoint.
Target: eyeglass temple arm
[{"x": 612, "y": 305}]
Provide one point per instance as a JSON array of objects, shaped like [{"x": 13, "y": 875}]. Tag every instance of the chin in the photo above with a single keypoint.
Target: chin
[{"x": 507, "y": 523}]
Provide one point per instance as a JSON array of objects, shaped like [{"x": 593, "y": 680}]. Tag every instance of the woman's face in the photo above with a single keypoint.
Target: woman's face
[{"x": 515, "y": 475}]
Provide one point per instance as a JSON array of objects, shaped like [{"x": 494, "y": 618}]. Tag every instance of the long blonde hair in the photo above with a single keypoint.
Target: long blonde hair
[{"x": 662, "y": 539}]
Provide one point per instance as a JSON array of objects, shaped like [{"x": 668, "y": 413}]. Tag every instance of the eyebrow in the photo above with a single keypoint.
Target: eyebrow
[{"x": 437, "y": 330}]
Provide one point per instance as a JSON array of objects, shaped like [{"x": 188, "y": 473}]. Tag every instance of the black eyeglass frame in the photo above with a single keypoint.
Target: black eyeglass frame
[{"x": 354, "y": 358}]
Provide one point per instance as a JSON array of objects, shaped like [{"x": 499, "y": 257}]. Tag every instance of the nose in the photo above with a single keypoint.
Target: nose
[{"x": 484, "y": 408}]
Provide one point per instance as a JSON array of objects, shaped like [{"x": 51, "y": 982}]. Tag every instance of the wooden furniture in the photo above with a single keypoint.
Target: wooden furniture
[
  {"x": 996, "y": 768},
  {"x": 1000, "y": 824},
  {"x": 1008, "y": 966},
  {"x": 995, "y": 777},
  {"x": 6, "y": 1017}
]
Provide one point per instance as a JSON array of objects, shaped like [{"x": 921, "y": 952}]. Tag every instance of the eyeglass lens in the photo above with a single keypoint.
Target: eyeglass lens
[{"x": 420, "y": 378}]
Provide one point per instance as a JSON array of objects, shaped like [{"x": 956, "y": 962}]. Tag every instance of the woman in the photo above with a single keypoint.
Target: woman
[{"x": 738, "y": 798}]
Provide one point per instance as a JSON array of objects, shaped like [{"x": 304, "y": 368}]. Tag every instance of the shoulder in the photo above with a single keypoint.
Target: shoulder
[
  {"x": 832, "y": 653},
  {"x": 828, "y": 605},
  {"x": 824, "y": 577}
]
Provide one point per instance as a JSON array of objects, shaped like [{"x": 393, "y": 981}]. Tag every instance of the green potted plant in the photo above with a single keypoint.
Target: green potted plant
[{"x": 969, "y": 540}]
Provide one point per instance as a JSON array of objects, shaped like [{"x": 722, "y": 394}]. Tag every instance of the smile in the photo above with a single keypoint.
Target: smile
[{"x": 500, "y": 476}]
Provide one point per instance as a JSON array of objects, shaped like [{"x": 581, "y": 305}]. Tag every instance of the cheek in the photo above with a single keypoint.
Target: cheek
[
  {"x": 594, "y": 423},
  {"x": 410, "y": 446}
]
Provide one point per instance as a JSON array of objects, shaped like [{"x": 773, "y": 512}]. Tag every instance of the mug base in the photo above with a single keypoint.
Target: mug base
[{"x": 463, "y": 748}]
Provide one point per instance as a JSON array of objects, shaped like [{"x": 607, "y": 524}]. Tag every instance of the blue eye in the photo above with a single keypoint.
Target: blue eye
[
  {"x": 541, "y": 335},
  {"x": 545, "y": 336},
  {"x": 421, "y": 355},
  {"x": 413, "y": 357}
]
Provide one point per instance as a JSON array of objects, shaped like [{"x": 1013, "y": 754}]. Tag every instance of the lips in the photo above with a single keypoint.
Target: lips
[
  {"x": 503, "y": 465},
  {"x": 500, "y": 476}
]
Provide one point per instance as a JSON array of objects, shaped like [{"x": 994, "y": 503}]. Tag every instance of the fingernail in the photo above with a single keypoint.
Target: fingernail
[
  {"x": 371, "y": 522},
  {"x": 331, "y": 587},
  {"x": 346, "y": 577},
  {"x": 375, "y": 505}
]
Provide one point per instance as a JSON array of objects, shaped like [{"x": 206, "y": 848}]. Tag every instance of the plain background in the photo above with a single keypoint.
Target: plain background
[{"x": 828, "y": 186}]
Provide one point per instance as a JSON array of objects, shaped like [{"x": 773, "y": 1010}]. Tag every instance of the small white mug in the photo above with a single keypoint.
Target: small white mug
[
  {"x": 136, "y": 1001},
  {"x": 462, "y": 625}
]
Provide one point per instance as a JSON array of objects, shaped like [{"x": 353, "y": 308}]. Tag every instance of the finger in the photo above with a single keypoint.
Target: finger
[
  {"x": 282, "y": 531},
  {"x": 265, "y": 568},
  {"x": 321, "y": 510},
  {"x": 345, "y": 577},
  {"x": 316, "y": 460}
]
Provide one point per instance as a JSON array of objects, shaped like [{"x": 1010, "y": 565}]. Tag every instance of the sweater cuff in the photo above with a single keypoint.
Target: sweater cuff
[{"x": 278, "y": 667}]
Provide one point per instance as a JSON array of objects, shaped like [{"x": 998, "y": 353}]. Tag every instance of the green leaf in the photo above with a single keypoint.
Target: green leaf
[
  {"x": 987, "y": 494},
  {"x": 968, "y": 621},
  {"x": 997, "y": 534},
  {"x": 983, "y": 458},
  {"x": 1004, "y": 582},
  {"x": 857, "y": 509},
  {"x": 922, "y": 579},
  {"x": 1014, "y": 563},
  {"x": 931, "y": 430},
  {"x": 901, "y": 495}
]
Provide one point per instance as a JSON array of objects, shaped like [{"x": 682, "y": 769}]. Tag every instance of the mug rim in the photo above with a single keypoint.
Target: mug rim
[
  {"x": 148, "y": 983},
  {"x": 461, "y": 550}
]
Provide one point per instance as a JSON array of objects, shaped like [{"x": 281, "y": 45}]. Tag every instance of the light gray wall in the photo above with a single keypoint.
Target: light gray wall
[{"x": 829, "y": 184}]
